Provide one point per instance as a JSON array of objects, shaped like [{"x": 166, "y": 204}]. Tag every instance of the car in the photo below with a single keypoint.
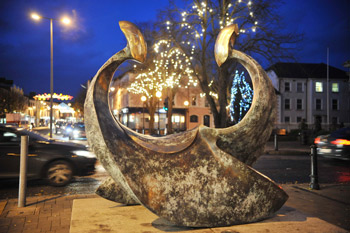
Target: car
[
  {"x": 53, "y": 160},
  {"x": 67, "y": 129},
  {"x": 59, "y": 127},
  {"x": 335, "y": 145},
  {"x": 78, "y": 131}
]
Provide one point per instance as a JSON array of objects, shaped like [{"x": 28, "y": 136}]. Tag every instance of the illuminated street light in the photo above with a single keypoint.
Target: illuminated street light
[
  {"x": 66, "y": 21},
  {"x": 158, "y": 95},
  {"x": 35, "y": 16},
  {"x": 186, "y": 103}
]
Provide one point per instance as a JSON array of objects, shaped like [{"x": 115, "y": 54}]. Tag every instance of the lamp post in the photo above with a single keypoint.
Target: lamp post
[
  {"x": 158, "y": 95},
  {"x": 186, "y": 103},
  {"x": 143, "y": 99},
  {"x": 64, "y": 20}
]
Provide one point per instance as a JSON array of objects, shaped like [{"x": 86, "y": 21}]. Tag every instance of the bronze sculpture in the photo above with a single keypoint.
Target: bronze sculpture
[{"x": 202, "y": 177}]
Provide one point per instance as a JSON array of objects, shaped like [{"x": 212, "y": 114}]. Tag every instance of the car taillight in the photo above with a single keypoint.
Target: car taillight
[
  {"x": 341, "y": 142},
  {"x": 317, "y": 140}
]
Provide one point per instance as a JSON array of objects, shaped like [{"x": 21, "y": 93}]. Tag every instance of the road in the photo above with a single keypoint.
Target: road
[
  {"x": 296, "y": 169},
  {"x": 280, "y": 168}
]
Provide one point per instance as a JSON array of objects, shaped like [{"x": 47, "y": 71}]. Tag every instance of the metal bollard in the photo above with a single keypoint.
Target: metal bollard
[
  {"x": 23, "y": 172},
  {"x": 276, "y": 142},
  {"x": 314, "y": 174}
]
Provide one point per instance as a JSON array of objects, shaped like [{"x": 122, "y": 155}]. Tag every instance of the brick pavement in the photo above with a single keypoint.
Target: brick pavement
[{"x": 41, "y": 214}]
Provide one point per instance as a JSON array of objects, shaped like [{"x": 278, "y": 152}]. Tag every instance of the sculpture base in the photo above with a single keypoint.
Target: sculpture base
[{"x": 101, "y": 215}]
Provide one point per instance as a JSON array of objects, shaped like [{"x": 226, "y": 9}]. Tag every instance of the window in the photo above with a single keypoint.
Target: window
[
  {"x": 206, "y": 104},
  {"x": 335, "y": 87},
  {"x": 319, "y": 87},
  {"x": 298, "y": 119},
  {"x": 8, "y": 137},
  {"x": 206, "y": 120},
  {"x": 287, "y": 119},
  {"x": 287, "y": 104},
  {"x": 334, "y": 120},
  {"x": 299, "y": 87},
  {"x": 194, "y": 118},
  {"x": 194, "y": 100},
  {"x": 287, "y": 86},
  {"x": 299, "y": 104},
  {"x": 334, "y": 104},
  {"x": 318, "y": 104}
]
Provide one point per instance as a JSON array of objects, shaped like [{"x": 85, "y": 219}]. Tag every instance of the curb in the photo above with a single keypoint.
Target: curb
[{"x": 286, "y": 152}]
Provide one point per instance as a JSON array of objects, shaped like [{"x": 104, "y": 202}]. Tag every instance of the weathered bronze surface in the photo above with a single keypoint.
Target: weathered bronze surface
[
  {"x": 110, "y": 190},
  {"x": 199, "y": 178}
]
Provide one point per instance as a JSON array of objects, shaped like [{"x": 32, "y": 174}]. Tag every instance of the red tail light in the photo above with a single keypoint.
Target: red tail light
[
  {"x": 317, "y": 140},
  {"x": 341, "y": 142}
]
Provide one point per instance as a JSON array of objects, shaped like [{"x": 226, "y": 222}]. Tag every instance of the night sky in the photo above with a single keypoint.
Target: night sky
[{"x": 81, "y": 49}]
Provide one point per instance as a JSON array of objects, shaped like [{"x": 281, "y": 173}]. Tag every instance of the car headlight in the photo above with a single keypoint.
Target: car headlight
[{"x": 84, "y": 153}]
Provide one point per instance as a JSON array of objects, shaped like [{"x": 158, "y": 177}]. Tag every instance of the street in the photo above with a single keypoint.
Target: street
[
  {"x": 296, "y": 169},
  {"x": 283, "y": 169}
]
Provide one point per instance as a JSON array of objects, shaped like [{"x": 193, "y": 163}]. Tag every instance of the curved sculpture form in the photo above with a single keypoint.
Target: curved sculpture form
[{"x": 198, "y": 178}]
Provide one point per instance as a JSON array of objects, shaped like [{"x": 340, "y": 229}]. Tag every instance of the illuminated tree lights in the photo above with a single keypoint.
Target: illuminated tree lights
[
  {"x": 241, "y": 97},
  {"x": 168, "y": 69}
]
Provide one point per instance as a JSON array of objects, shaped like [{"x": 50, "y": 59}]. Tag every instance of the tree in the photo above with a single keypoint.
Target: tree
[
  {"x": 12, "y": 100},
  {"x": 196, "y": 30},
  {"x": 79, "y": 100},
  {"x": 241, "y": 97},
  {"x": 167, "y": 70}
]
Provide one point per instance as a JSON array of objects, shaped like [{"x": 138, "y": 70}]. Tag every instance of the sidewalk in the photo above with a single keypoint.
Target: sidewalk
[
  {"x": 287, "y": 147},
  {"x": 53, "y": 213}
]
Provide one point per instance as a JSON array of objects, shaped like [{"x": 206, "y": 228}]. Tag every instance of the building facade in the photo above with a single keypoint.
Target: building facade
[
  {"x": 190, "y": 108},
  {"x": 305, "y": 93}
]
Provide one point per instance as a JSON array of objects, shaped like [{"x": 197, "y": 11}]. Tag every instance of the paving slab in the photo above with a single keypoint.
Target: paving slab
[
  {"x": 2, "y": 206},
  {"x": 101, "y": 215}
]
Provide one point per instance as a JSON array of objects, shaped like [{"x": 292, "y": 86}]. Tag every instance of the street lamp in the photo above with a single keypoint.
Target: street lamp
[
  {"x": 64, "y": 20},
  {"x": 158, "y": 95},
  {"x": 143, "y": 99}
]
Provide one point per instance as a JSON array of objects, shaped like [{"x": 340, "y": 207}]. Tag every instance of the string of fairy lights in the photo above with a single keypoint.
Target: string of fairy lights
[
  {"x": 172, "y": 58},
  {"x": 171, "y": 67}
]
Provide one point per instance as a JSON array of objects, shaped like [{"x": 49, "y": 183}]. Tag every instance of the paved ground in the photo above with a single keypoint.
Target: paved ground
[
  {"x": 42, "y": 214},
  {"x": 53, "y": 213}
]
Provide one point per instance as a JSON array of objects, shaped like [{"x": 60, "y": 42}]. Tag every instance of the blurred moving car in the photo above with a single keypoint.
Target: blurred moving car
[
  {"x": 55, "y": 161},
  {"x": 78, "y": 131},
  {"x": 335, "y": 145},
  {"x": 67, "y": 129}
]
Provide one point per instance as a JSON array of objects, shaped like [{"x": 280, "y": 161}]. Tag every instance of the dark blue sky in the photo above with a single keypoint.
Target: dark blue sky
[{"x": 79, "y": 51}]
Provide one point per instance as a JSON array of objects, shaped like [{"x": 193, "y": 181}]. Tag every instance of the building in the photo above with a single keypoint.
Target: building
[
  {"x": 305, "y": 93},
  {"x": 189, "y": 108}
]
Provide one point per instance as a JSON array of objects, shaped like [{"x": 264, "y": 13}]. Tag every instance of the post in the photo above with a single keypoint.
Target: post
[
  {"x": 23, "y": 172},
  {"x": 158, "y": 118},
  {"x": 143, "y": 117},
  {"x": 51, "y": 76},
  {"x": 314, "y": 174},
  {"x": 276, "y": 141}
]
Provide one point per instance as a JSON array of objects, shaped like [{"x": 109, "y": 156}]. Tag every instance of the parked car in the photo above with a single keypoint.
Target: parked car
[
  {"x": 55, "y": 161},
  {"x": 335, "y": 145},
  {"x": 67, "y": 129},
  {"x": 78, "y": 131}
]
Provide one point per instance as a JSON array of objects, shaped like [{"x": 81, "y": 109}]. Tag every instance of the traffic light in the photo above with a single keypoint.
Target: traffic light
[{"x": 166, "y": 104}]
